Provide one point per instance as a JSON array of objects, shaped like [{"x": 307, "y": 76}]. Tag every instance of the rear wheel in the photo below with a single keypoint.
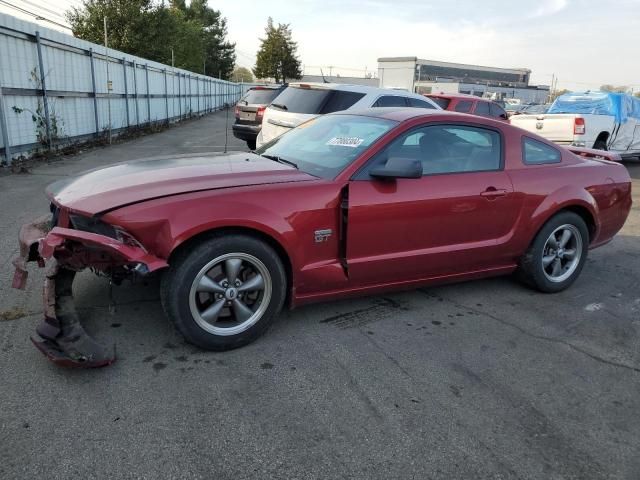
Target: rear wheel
[
  {"x": 556, "y": 257},
  {"x": 224, "y": 292}
]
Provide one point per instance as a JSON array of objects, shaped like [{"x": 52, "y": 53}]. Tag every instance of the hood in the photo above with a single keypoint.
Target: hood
[{"x": 104, "y": 189}]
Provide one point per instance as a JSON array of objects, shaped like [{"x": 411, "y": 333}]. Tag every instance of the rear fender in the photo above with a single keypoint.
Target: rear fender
[{"x": 563, "y": 198}]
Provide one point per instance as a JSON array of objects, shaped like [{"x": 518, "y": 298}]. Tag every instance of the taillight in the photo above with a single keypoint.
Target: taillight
[
  {"x": 578, "y": 126},
  {"x": 260, "y": 113},
  {"x": 237, "y": 111}
]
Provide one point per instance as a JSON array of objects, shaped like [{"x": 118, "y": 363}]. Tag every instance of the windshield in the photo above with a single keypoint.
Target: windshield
[{"x": 326, "y": 145}]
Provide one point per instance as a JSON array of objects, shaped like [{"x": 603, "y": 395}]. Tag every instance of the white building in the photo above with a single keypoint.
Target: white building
[{"x": 430, "y": 76}]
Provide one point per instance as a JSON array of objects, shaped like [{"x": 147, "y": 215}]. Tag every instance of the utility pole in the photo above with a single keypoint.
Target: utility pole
[
  {"x": 172, "y": 59},
  {"x": 553, "y": 76},
  {"x": 109, "y": 86}
]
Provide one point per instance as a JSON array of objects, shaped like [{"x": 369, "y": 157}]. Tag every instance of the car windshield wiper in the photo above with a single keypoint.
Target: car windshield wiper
[
  {"x": 280, "y": 106},
  {"x": 280, "y": 160}
]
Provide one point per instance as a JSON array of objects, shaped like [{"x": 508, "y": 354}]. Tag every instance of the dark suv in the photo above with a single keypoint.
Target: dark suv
[{"x": 249, "y": 111}]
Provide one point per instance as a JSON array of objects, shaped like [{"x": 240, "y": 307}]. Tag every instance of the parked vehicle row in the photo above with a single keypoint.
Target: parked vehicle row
[
  {"x": 267, "y": 112},
  {"x": 301, "y": 102},
  {"x": 350, "y": 203}
]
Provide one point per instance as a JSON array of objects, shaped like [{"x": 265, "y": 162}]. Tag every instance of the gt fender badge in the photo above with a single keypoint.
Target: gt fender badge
[{"x": 323, "y": 235}]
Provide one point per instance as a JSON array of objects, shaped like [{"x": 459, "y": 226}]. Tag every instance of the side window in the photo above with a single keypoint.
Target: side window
[
  {"x": 390, "y": 101},
  {"x": 464, "y": 106},
  {"x": 417, "y": 103},
  {"x": 341, "y": 100},
  {"x": 445, "y": 149},
  {"x": 497, "y": 111},
  {"x": 538, "y": 153},
  {"x": 482, "y": 108}
]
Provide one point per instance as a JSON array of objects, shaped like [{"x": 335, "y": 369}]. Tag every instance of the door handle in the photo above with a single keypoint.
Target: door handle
[{"x": 492, "y": 192}]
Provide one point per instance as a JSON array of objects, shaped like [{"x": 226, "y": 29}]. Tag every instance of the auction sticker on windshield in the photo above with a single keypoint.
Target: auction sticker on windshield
[{"x": 353, "y": 142}]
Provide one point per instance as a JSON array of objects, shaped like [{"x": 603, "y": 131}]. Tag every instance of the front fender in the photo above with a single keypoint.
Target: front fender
[{"x": 190, "y": 217}]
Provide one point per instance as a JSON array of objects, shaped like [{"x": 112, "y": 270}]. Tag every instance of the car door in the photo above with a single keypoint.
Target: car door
[{"x": 452, "y": 220}]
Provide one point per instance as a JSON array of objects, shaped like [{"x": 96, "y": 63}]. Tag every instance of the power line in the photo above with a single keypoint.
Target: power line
[
  {"x": 37, "y": 16},
  {"x": 45, "y": 9}
]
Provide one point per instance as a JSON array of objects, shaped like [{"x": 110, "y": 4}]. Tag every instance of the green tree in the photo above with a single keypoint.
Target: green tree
[
  {"x": 277, "y": 56},
  {"x": 217, "y": 55},
  {"x": 134, "y": 26},
  {"x": 195, "y": 33},
  {"x": 242, "y": 74}
]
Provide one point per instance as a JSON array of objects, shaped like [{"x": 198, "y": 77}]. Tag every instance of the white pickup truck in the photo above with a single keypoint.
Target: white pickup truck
[{"x": 599, "y": 120}]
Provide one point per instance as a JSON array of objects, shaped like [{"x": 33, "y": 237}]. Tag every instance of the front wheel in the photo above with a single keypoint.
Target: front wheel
[
  {"x": 556, "y": 257},
  {"x": 225, "y": 292}
]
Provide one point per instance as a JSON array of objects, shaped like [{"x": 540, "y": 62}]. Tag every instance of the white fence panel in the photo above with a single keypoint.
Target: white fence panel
[{"x": 79, "y": 99}]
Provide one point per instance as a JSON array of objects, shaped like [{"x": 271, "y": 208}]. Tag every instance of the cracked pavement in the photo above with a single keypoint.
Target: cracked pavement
[{"x": 484, "y": 379}]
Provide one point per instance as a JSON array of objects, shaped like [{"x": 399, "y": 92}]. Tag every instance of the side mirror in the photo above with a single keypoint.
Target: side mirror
[{"x": 398, "y": 167}]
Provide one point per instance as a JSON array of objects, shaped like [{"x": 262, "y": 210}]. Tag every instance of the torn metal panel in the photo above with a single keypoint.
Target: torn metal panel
[{"x": 61, "y": 337}]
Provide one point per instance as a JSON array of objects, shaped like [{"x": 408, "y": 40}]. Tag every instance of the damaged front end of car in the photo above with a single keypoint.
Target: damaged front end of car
[{"x": 67, "y": 244}]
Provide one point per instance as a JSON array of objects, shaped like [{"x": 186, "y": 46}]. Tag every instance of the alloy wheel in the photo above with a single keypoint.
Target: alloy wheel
[{"x": 230, "y": 294}]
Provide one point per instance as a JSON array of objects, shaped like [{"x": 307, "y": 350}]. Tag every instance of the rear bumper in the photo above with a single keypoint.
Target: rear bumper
[
  {"x": 245, "y": 132},
  {"x": 62, "y": 339}
]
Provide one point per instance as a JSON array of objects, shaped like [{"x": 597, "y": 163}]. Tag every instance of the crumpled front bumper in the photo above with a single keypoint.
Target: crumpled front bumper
[{"x": 62, "y": 338}]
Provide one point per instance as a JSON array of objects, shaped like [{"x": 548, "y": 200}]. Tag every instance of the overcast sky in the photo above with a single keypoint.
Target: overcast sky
[{"x": 584, "y": 42}]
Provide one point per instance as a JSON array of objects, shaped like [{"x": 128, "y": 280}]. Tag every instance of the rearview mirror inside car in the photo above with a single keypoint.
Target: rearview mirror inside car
[{"x": 398, "y": 167}]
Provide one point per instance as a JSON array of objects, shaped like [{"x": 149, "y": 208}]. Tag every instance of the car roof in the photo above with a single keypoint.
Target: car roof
[
  {"x": 367, "y": 89},
  {"x": 465, "y": 96},
  {"x": 401, "y": 114},
  {"x": 266, "y": 87},
  {"x": 398, "y": 114}
]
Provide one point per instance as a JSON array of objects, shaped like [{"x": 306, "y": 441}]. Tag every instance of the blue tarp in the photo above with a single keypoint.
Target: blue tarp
[{"x": 620, "y": 105}]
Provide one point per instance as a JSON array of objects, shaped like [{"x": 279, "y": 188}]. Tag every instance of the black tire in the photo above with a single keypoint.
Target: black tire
[
  {"x": 186, "y": 266},
  {"x": 531, "y": 269},
  {"x": 251, "y": 144},
  {"x": 600, "y": 144}
]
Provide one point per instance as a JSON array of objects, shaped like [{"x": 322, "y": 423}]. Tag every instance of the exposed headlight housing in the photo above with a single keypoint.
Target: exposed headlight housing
[
  {"x": 95, "y": 225},
  {"x": 92, "y": 225}
]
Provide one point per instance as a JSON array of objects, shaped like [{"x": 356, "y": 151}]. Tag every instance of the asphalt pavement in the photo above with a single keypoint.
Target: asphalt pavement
[{"x": 484, "y": 379}]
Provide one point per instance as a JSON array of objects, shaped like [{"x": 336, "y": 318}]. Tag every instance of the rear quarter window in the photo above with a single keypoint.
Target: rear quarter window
[
  {"x": 538, "y": 153},
  {"x": 417, "y": 103},
  {"x": 390, "y": 101},
  {"x": 340, "y": 100}
]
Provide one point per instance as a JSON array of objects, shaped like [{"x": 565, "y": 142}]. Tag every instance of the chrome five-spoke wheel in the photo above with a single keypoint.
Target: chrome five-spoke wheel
[
  {"x": 562, "y": 252},
  {"x": 230, "y": 294}
]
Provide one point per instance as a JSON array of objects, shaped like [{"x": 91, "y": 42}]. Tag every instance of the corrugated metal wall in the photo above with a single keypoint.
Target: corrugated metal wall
[{"x": 54, "y": 90}]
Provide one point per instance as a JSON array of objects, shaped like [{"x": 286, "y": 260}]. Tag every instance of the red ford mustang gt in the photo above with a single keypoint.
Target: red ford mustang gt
[{"x": 346, "y": 204}]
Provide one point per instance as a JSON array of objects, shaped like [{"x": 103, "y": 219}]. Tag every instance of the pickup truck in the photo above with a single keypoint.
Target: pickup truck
[{"x": 599, "y": 120}]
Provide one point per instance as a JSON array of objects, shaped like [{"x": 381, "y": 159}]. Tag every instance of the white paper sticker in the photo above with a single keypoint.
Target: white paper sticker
[{"x": 353, "y": 142}]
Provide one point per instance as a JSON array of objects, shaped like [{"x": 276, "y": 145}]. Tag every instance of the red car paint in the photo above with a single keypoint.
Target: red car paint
[
  {"x": 397, "y": 234},
  {"x": 470, "y": 102}
]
